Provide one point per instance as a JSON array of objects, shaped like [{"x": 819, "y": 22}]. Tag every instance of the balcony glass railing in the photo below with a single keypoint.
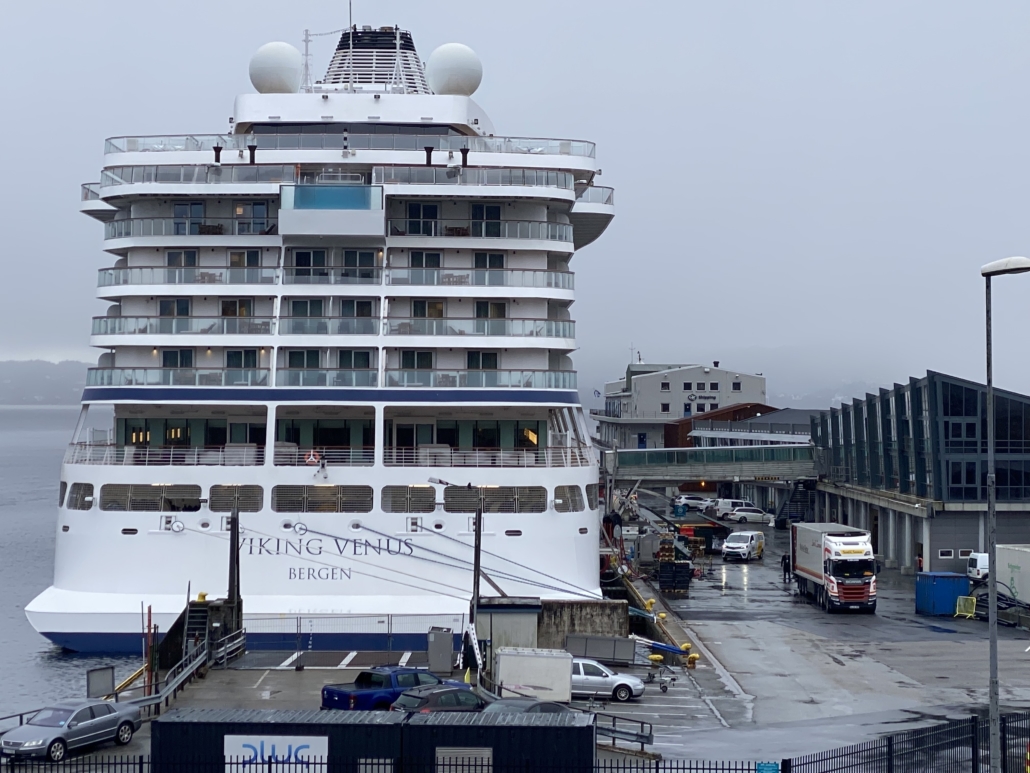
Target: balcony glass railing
[
  {"x": 199, "y": 275},
  {"x": 436, "y": 456},
  {"x": 307, "y": 377},
  {"x": 242, "y": 455},
  {"x": 482, "y": 379},
  {"x": 329, "y": 325},
  {"x": 219, "y": 377},
  {"x": 527, "y": 145},
  {"x": 90, "y": 191},
  {"x": 332, "y": 197},
  {"x": 332, "y": 275},
  {"x": 451, "y": 326},
  {"x": 199, "y": 174},
  {"x": 435, "y": 175},
  {"x": 198, "y": 226},
  {"x": 483, "y": 229},
  {"x": 183, "y": 325},
  {"x": 596, "y": 194},
  {"x": 477, "y": 277}
]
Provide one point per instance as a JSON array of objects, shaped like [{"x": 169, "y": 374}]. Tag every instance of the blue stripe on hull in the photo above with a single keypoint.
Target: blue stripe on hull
[
  {"x": 330, "y": 395},
  {"x": 131, "y": 643}
]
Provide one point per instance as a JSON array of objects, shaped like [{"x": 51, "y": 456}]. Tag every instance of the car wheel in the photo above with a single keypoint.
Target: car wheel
[
  {"x": 124, "y": 734},
  {"x": 622, "y": 693},
  {"x": 56, "y": 750},
  {"x": 742, "y": 519}
]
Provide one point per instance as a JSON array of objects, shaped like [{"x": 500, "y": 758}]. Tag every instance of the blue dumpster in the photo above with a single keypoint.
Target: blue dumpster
[{"x": 937, "y": 592}]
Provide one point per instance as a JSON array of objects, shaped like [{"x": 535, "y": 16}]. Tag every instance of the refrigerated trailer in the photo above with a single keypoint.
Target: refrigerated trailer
[{"x": 834, "y": 565}]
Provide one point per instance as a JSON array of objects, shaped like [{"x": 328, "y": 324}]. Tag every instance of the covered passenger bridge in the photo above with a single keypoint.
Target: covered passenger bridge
[{"x": 673, "y": 466}]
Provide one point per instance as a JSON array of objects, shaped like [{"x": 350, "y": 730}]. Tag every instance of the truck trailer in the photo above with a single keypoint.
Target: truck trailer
[
  {"x": 835, "y": 565},
  {"x": 1014, "y": 571}
]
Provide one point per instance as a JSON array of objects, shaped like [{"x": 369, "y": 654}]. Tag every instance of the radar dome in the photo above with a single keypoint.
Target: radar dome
[
  {"x": 454, "y": 69},
  {"x": 276, "y": 69}
]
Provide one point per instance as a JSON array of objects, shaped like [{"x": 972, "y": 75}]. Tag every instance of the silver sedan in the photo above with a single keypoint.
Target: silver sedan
[{"x": 67, "y": 725}]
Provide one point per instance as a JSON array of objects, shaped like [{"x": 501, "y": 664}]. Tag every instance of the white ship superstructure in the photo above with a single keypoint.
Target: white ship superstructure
[{"x": 359, "y": 289}]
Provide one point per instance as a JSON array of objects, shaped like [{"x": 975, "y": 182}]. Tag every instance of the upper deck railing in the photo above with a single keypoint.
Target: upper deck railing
[
  {"x": 596, "y": 194},
  {"x": 437, "y": 175},
  {"x": 417, "y": 142}
]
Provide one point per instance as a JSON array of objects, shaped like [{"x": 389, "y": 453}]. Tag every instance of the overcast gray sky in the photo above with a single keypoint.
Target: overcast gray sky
[{"x": 804, "y": 188}]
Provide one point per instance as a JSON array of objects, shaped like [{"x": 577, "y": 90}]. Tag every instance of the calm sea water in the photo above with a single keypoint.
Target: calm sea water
[{"x": 32, "y": 670}]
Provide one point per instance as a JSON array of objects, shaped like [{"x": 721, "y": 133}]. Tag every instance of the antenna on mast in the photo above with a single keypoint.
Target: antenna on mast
[
  {"x": 305, "y": 83},
  {"x": 350, "y": 33}
]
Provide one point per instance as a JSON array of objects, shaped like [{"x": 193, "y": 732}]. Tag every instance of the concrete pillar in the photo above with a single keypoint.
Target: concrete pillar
[
  {"x": 818, "y": 507},
  {"x": 981, "y": 541},
  {"x": 907, "y": 547},
  {"x": 891, "y": 560},
  {"x": 926, "y": 545}
]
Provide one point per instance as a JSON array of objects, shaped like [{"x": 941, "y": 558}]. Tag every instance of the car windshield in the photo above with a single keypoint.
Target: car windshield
[
  {"x": 51, "y": 718},
  {"x": 408, "y": 701},
  {"x": 737, "y": 538},
  {"x": 853, "y": 569}
]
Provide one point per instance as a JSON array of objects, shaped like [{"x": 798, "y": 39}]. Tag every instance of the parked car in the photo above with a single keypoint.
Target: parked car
[
  {"x": 525, "y": 706},
  {"x": 744, "y": 545},
  {"x": 438, "y": 698},
  {"x": 977, "y": 566},
  {"x": 55, "y": 730},
  {"x": 749, "y": 515},
  {"x": 591, "y": 678},
  {"x": 691, "y": 501},
  {"x": 724, "y": 507},
  {"x": 375, "y": 689}
]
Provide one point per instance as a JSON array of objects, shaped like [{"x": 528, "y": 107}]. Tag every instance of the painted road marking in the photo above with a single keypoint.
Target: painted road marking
[
  {"x": 346, "y": 661},
  {"x": 259, "y": 681},
  {"x": 404, "y": 659},
  {"x": 290, "y": 659}
]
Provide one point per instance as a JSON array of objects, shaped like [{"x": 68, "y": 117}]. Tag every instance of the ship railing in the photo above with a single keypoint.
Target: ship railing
[
  {"x": 183, "y": 325},
  {"x": 482, "y": 379},
  {"x": 332, "y": 275},
  {"x": 90, "y": 191},
  {"x": 435, "y": 175},
  {"x": 230, "y": 455},
  {"x": 193, "y": 275},
  {"x": 458, "y": 326},
  {"x": 338, "y": 141},
  {"x": 326, "y": 377},
  {"x": 482, "y": 229},
  {"x": 200, "y": 174},
  {"x": 595, "y": 194},
  {"x": 481, "y": 277},
  {"x": 219, "y": 377},
  {"x": 329, "y": 325},
  {"x": 314, "y": 456},
  {"x": 190, "y": 226},
  {"x": 445, "y": 456}
]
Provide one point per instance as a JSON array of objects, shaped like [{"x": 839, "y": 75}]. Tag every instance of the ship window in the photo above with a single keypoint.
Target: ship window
[
  {"x": 181, "y": 258},
  {"x": 188, "y": 217},
  {"x": 158, "y": 499},
  {"x": 177, "y": 358},
  {"x": 497, "y": 499},
  {"x": 409, "y": 499},
  {"x": 481, "y": 360},
  {"x": 413, "y": 360},
  {"x": 422, "y": 218},
  {"x": 427, "y": 309},
  {"x": 306, "y": 308},
  {"x": 322, "y": 499},
  {"x": 568, "y": 499},
  {"x": 352, "y": 308},
  {"x": 173, "y": 307},
  {"x": 354, "y": 359},
  {"x": 592, "y": 496},
  {"x": 241, "y": 359},
  {"x": 251, "y": 217},
  {"x": 302, "y": 358},
  {"x": 60, "y": 496},
  {"x": 247, "y": 499},
  {"x": 80, "y": 496},
  {"x": 245, "y": 259}
]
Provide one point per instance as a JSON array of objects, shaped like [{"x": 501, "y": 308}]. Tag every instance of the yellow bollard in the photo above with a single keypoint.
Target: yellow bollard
[
  {"x": 686, "y": 646},
  {"x": 655, "y": 658},
  {"x": 649, "y": 604},
  {"x": 661, "y": 615},
  {"x": 692, "y": 660}
]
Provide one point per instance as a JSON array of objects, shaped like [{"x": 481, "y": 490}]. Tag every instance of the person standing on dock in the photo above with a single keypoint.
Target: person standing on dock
[{"x": 785, "y": 566}]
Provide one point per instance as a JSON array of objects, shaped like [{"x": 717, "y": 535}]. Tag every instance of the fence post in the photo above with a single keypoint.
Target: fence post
[
  {"x": 890, "y": 754},
  {"x": 974, "y": 744},
  {"x": 785, "y": 765},
  {"x": 140, "y": 762}
]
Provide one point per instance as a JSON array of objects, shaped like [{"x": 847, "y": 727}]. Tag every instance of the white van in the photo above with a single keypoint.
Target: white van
[
  {"x": 723, "y": 507},
  {"x": 977, "y": 566},
  {"x": 744, "y": 546}
]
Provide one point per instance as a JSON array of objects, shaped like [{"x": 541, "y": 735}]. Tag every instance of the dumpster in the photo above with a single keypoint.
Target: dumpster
[{"x": 937, "y": 592}]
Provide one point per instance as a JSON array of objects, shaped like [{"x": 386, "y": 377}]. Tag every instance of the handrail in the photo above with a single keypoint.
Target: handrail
[{"x": 21, "y": 715}]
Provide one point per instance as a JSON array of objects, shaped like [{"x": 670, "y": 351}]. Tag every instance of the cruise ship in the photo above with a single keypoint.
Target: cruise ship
[{"x": 348, "y": 319}]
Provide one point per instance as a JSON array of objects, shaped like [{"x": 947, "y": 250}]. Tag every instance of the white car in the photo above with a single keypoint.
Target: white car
[
  {"x": 591, "y": 678},
  {"x": 748, "y": 515},
  {"x": 691, "y": 501}
]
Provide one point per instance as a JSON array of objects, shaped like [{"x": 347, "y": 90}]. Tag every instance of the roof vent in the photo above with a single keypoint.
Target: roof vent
[{"x": 715, "y": 364}]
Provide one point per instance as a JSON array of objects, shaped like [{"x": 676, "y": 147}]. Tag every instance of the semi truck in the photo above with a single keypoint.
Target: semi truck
[
  {"x": 1014, "y": 571},
  {"x": 834, "y": 565}
]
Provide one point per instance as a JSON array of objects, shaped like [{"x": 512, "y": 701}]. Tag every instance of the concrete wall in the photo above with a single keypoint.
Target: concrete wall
[{"x": 597, "y": 618}]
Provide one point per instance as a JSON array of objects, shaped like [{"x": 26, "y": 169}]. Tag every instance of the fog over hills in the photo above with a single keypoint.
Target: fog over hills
[{"x": 38, "y": 382}]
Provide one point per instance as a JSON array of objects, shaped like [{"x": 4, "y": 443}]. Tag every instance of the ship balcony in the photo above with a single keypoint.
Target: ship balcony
[
  {"x": 591, "y": 214},
  {"x": 192, "y": 232},
  {"x": 331, "y": 210},
  {"x": 446, "y": 456},
  {"x": 192, "y": 377},
  {"x": 200, "y": 276},
  {"x": 332, "y": 275},
  {"x": 457, "y": 326},
  {"x": 329, "y": 325},
  {"x": 293, "y": 455},
  {"x": 535, "y": 279},
  {"x": 326, "y": 377},
  {"x": 460, "y": 230},
  {"x": 92, "y": 205},
  {"x": 175, "y": 326},
  {"x": 482, "y": 379},
  {"x": 229, "y": 455},
  {"x": 469, "y": 181}
]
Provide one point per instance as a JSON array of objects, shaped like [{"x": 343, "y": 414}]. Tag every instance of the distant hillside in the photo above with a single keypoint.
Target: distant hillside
[{"x": 37, "y": 382}]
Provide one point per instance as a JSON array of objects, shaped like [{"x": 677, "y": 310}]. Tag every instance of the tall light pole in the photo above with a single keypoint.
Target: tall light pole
[{"x": 997, "y": 268}]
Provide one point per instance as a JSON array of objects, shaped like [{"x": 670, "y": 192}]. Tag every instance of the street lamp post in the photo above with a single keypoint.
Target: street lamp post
[{"x": 1015, "y": 265}]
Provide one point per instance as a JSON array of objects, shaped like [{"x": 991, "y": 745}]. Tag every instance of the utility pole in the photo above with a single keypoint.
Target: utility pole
[{"x": 234, "y": 570}]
